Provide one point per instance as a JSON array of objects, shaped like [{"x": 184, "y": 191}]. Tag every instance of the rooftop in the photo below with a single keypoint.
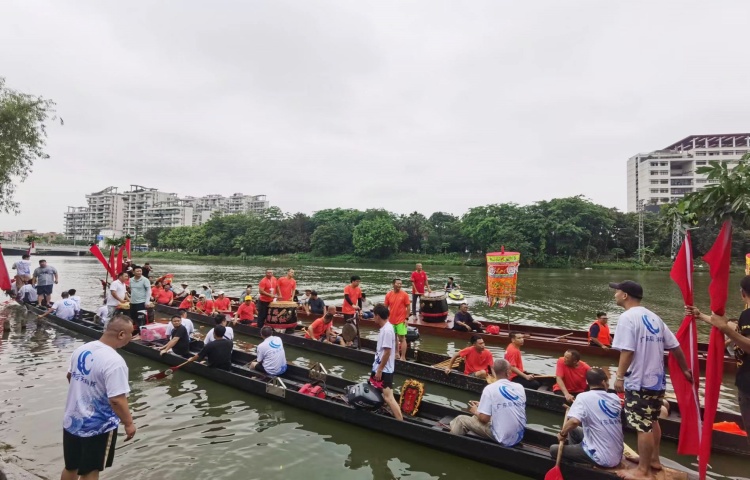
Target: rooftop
[{"x": 711, "y": 141}]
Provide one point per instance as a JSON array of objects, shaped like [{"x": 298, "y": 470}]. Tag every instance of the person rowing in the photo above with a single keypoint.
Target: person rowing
[
  {"x": 271, "y": 358},
  {"x": 66, "y": 308},
  {"x": 187, "y": 302},
  {"x": 245, "y": 313},
  {"x": 179, "y": 342},
  {"x": 478, "y": 361},
  {"x": 593, "y": 428},
  {"x": 218, "y": 352},
  {"x": 222, "y": 304},
  {"x": 599, "y": 335},
  {"x": 185, "y": 321},
  {"x": 221, "y": 320},
  {"x": 500, "y": 414},
  {"x": 570, "y": 375},
  {"x": 513, "y": 356},
  {"x": 204, "y": 305},
  {"x": 321, "y": 331}
]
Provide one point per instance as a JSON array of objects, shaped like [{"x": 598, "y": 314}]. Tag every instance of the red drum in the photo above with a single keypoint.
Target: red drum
[
  {"x": 434, "y": 307},
  {"x": 282, "y": 315}
]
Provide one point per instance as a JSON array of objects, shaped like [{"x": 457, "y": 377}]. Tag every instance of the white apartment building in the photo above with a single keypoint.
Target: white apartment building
[
  {"x": 666, "y": 175},
  {"x": 104, "y": 211},
  {"x": 204, "y": 207}
]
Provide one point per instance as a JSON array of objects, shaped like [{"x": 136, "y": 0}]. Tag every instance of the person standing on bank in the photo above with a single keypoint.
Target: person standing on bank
[
  {"x": 418, "y": 284},
  {"x": 45, "y": 277},
  {"x": 384, "y": 365},
  {"x": 741, "y": 338},
  {"x": 352, "y": 298},
  {"x": 97, "y": 403},
  {"x": 267, "y": 291},
  {"x": 140, "y": 291},
  {"x": 599, "y": 335},
  {"x": 642, "y": 337}
]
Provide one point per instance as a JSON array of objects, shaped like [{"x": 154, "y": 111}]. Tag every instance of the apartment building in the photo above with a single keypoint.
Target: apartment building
[
  {"x": 104, "y": 211},
  {"x": 666, "y": 175}
]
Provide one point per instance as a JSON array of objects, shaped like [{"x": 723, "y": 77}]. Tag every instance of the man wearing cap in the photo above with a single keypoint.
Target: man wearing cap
[
  {"x": 182, "y": 292},
  {"x": 222, "y": 304},
  {"x": 204, "y": 305},
  {"x": 246, "y": 311},
  {"x": 207, "y": 291},
  {"x": 642, "y": 337}
]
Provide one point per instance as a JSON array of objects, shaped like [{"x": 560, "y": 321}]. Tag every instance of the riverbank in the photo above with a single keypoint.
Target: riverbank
[{"x": 13, "y": 471}]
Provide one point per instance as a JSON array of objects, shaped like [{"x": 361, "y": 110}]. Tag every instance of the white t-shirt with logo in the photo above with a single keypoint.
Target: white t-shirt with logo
[
  {"x": 98, "y": 373},
  {"x": 505, "y": 402},
  {"x": 76, "y": 299},
  {"x": 186, "y": 322},
  {"x": 599, "y": 414},
  {"x": 103, "y": 314},
  {"x": 386, "y": 340},
  {"x": 641, "y": 331},
  {"x": 23, "y": 267},
  {"x": 30, "y": 291},
  {"x": 119, "y": 288},
  {"x": 229, "y": 335},
  {"x": 65, "y": 309},
  {"x": 271, "y": 355}
]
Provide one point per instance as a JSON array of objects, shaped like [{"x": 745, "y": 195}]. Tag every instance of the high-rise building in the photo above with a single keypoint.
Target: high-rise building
[
  {"x": 104, "y": 212},
  {"x": 666, "y": 175}
]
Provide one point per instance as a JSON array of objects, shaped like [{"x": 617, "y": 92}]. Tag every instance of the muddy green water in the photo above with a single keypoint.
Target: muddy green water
[{"x": 194, "y": 428}]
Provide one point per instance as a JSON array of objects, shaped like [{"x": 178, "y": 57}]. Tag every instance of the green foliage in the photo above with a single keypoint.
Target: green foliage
[
  {"x": 152, "y": 235},
  {"x": 23, "y": 136},
  {"x": 31, "y": 238},
  {"x": 727, "y": 196},
  {"x": 332, "y": 239},
  {"x": 376, "y": 238}
]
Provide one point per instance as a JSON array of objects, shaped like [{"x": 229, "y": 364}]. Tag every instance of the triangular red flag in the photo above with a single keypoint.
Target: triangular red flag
[
  {"x": 4, "y": 275},
  {"x": 718, "y": 260},
  {"x": 687, "y": 335},
  {"x": 96, "y": 252}
]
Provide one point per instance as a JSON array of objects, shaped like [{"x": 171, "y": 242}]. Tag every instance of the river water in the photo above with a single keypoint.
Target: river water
[{"x": 190, "y": 427}]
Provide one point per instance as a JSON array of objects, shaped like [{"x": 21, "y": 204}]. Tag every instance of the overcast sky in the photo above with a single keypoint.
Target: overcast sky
[{"x": 425, "y": 106}]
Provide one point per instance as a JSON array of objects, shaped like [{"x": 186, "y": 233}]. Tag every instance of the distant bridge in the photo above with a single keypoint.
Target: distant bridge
[{"x": 50, "y": 250}]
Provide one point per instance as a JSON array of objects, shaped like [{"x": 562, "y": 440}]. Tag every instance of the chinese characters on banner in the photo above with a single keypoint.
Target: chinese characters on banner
[{"x": 502, "y": 277}]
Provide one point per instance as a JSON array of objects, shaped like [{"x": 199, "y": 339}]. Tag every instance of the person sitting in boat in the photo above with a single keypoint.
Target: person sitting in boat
[
  {"x": 245, "y": 313},
  {"x": 182, "y": 292},
  {"x": 478, "y": 360},
  {"x": 207, "y": 291},
  {"x": 500, "y": 414},
  {"x": 593, "y": 429},
  {"x": 204, "y": 306},
  {"x": 66, "y": 308},
  {"x": 321, "y": 330},
  {"x": 179, "y": 341},
  {"x": 187, "y": 302},
  {"x": 315, "y": 304},
  {"x": 219, "y": 319},
  {"x": 247, "y": 292},
  {"x": 367, "y": 307},
  {"x": 186, "y": 322},
  {"x": 218, "y": 352},
  {"x": 222, "y": 304},
  {"x": 271, "y": 358},
  {"x": 303, "y": 299},
  {"x": 451, "y": 285},
  {"x": 158, "y": 287},
  {"x": 513, "y": 356},
  {"x": 599, "y": 335},
  {"x": 27, "y": 293},
  {"x": 570, "y": 374},
  {"x": 464, "y": 322},
  {"x": 164, "y": 296}
]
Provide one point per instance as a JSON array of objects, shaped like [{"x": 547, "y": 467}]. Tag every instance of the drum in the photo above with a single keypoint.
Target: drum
[
  {"x": 282, "y": 315},
  {"x": 434, "y": 307}
]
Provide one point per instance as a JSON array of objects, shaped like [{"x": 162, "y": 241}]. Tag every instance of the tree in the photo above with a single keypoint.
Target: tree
[
  {"x": 617, "y": 252},
  {"x": 727, "y": 196},
  {"x": 23, "y": 133},
  {"x": 331, "y": 239},
  {"x": 31, "y": 239},
  {"x": 415, "y": 229},
  {"x": 152, "y": 235},
  {"x": 376, "y": 238}
]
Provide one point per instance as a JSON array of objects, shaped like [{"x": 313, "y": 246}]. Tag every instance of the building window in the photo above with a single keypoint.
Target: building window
[
  {"x": 663, "y": 164},
  {"x": 653, "y": 172},
  {"x": 654, "y": 164},
  {"x": 701, "y": 180},
  {"x": 654, "y": 182},
  {"x": 700, "y": 162},
  {"x": 663, "y": 172},
  {"x": 654, "y": 190},
  {"x": 664, "y": 182}
]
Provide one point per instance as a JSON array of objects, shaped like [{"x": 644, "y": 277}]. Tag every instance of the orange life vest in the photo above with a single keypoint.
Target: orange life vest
[{"x": 603, "y": 336}]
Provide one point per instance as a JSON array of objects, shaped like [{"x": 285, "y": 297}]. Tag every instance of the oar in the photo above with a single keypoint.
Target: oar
[
  {"x": 563, "y": 336},
  {"x": 555, "y": 473},
  {"x": 168, "y": 372}
]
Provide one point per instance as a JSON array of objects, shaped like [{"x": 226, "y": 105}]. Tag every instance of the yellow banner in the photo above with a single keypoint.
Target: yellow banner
[{"x": 502, "y": 277}]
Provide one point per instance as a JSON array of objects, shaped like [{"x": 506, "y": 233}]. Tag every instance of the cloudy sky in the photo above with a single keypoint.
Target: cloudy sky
[{"x": 420, "y": 105}]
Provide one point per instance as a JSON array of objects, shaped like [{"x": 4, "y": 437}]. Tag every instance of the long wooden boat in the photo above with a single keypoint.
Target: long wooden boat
[
  {"x": 428, "y": 427},
  {"x": 421, "y": 364}
]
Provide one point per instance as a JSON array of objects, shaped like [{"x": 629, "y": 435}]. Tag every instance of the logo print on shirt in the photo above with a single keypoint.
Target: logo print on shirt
[
  {"x": 608, "y": 410},
  {"x": 274, "y": 344},
  {"x": 507, "y": 393},
  {"x": 649, "y": 326},
  {"x": 82, "y": 358}
]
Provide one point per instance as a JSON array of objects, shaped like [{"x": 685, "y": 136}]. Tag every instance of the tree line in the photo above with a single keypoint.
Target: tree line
[{"x": 560, "y": 232}]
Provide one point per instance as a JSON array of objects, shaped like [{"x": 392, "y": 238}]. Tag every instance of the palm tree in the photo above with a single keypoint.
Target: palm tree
[{"x": 726, "y": 198}]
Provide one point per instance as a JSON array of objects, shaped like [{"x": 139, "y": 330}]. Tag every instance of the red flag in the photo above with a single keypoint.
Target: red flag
[
  {"x": 4, "y": 275},
  {"x": 718, "y": 260},
  {"x": 127, "y": 248},
  {"x": 687, "y": 335},
  {"x": 112, "y": 267},
  {"x": 119, "y": 260},
  {"x": 100, "y": 256}
]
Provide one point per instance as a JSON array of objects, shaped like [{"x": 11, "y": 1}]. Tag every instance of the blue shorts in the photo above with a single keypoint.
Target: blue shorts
[{"x": 44, "y": 289}]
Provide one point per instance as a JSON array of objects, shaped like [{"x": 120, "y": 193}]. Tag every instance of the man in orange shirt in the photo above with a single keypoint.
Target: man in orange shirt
[
  {"x": 287, "y": 286},
  {"x": 246, "y": 311},
  {"x": 222, "y": 304},
  {"x": 513, "y": 356},
  {"x": 570, "y": 375},
  {"x": 352, "y": 298},
  {"x": 321, "y": 331},
  {"x": 397, "y": 302},
  {"x": 418, "y": 284},
  {"x": 478, "y": 360},
  {"x": 187, "y": 303},
  {"x": 268, "y": 291},
  {"x": 164, "y": 296},
  {"x": 204, "y": 306}
]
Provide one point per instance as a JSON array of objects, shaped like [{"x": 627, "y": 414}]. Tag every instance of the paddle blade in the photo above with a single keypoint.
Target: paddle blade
[
  {"x": 554, "y": 474},
  {"x": 158, "y": 376}
]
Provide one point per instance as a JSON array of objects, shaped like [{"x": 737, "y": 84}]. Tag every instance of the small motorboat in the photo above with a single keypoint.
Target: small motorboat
[{"x": 455, "y": 297}]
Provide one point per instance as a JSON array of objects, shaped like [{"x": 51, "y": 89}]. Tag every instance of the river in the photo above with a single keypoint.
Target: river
[{"x": 190, "y": 427}]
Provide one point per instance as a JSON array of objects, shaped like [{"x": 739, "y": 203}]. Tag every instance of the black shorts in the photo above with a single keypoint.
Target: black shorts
[
  {"x": 88, "y": 454},
  {"x": 642, "y": 408},
  {"x": 44, "y": 289},
  {"x": 387, "y": 379}
]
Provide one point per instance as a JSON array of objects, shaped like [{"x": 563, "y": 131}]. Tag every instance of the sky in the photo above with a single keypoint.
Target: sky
[{"x": 409, "y": 106}]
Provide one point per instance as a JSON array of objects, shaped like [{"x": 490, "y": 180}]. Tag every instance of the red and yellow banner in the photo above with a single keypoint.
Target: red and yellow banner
[
  {"x": 747, "y": 264},
  {"x": 502, "y": 277}
]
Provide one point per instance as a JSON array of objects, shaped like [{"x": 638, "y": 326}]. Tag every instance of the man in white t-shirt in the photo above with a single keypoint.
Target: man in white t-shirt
[
  {"x": 500, "y": 413},
  {"x": 220, "y": 319},
  {"x": 103, "y": 313},
  {"x": 185, "y": 321},
  {"x": 642, "y": 337},
  {"x": 23, "y": 268},
  {"x": 117, "y": 294},
  {"x": 385, "y": 359},
  {"x": 271, "y": 358},
  {"x": 593, "y": 428},
  {"x": 64, "y": 308},
  {"x": 27, "y": 293},
  {"x": 97, "y": 402}
]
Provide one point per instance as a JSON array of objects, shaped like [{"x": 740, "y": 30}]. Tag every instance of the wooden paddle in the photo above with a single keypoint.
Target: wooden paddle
[
  {"x": 563, "y": 336},
  {"x": 169, "y": 371},
  {"x": 555, "y": 473}
]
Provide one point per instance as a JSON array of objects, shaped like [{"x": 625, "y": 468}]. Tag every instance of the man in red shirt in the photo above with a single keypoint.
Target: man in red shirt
[
  {"x": 418, "y": 284},
  {"x": 352, "y": 298},
  {"x": 187, "y": 303},
  {"x": 268, "y": 291},
  {"x": 478, "y": 360},
  {"x": 513, "y": 356},
  {"x": 287, "y": 286},
  {"x": 397, "y": 302},
  {"x": 164, "y": 296},
  {"x": 222, "y": 304},
  {"x": 246, "y": 311},
  {"x": 321, "y": 330},
  {"x": 204, "y": 306},
  {"x": 571, "y": 375}
]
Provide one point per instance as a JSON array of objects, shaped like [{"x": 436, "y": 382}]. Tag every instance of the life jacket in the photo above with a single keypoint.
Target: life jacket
[{"x": 603, "y": 336}]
